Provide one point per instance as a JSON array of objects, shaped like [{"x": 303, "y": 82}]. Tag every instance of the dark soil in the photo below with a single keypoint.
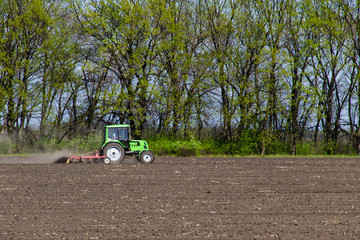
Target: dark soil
[{"x": 182, "y": 198}]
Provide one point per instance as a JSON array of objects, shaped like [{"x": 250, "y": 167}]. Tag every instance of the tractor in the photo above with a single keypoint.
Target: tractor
[{"x": 116, "y": 144}]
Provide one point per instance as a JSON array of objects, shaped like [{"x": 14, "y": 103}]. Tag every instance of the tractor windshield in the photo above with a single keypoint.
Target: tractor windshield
[{"x": 118, "y": 134}]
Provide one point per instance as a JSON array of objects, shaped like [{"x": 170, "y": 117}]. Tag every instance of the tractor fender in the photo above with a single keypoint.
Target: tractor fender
[{"x": 139, "y": 154}]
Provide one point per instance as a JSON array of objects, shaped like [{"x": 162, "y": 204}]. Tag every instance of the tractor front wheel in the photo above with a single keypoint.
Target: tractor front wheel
[
  {"x": 115, "y": 152},
  {"x": 146, "y": 157}
]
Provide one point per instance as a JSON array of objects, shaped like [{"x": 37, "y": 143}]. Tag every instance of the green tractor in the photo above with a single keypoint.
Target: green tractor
[{"x": 117, "y": 143}]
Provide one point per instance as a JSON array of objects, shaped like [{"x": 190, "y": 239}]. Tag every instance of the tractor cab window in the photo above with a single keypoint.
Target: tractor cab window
[
  {"x": 123, "y": 134},
  {"x": 112, "y": 134}
]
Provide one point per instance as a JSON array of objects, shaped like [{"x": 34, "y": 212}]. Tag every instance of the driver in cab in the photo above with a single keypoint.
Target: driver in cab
[{"x": 113, "y": 137}]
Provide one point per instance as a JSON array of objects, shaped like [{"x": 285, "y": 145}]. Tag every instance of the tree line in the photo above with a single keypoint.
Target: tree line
[{"x": 264, "y": 71}]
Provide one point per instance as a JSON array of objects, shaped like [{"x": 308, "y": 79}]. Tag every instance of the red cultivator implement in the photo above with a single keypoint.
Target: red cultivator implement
[{"x": 90, "y": 157}]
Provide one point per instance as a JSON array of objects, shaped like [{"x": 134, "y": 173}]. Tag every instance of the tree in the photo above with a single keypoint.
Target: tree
[
  {"x": 245, "y": 57},
  {"x": 351, "y": 11},
  {"x": 24, "y": 30},
  {"x": 298, "y": 51},
  {"x": 219, "y": 17},
  {"x": 122, "y": 35},
  {"x": 328, "y": 63},
  {"x": 276, "y": 18}
]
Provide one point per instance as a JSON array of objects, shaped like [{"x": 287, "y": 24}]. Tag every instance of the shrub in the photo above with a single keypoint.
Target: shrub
[
  {"x": 304, "y": 149},
  {"x": 6, "y": 145}
]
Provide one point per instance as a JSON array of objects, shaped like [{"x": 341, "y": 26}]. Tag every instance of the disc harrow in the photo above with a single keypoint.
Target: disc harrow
[{"x": 90, "y": 157}]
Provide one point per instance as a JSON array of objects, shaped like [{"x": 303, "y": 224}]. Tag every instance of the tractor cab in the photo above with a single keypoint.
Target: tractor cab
[{"x": 118, "y": 133}]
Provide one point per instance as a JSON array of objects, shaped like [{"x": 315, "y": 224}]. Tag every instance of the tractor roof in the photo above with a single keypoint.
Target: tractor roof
[{"x": 118, "y": 125}]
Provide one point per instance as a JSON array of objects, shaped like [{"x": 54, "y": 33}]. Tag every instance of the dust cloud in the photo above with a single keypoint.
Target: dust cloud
[{"x": 41, "y": 158}]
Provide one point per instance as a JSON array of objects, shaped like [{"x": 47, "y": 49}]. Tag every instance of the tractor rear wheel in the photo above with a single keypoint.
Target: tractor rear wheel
[
  {"x": 115, "y": 152},
  {"x": 146, "y": 157}
]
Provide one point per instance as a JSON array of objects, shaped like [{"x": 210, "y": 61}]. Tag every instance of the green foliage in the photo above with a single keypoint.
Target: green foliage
[
  {"x": 304, "y": 149},
  {"x": 193, "y": 147},
  {"x": 278, "y": 148},
  {"x": 164, "y": 145},
  {"x": 246, "y": 146},
  {"x": 6, "y": 146},
  {"x": 330, "y": 148},
  {"x": 176, "y": 147}
]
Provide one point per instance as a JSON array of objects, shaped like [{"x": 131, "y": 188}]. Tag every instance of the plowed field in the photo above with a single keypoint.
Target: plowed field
[{"x": 181, "y": 198}]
